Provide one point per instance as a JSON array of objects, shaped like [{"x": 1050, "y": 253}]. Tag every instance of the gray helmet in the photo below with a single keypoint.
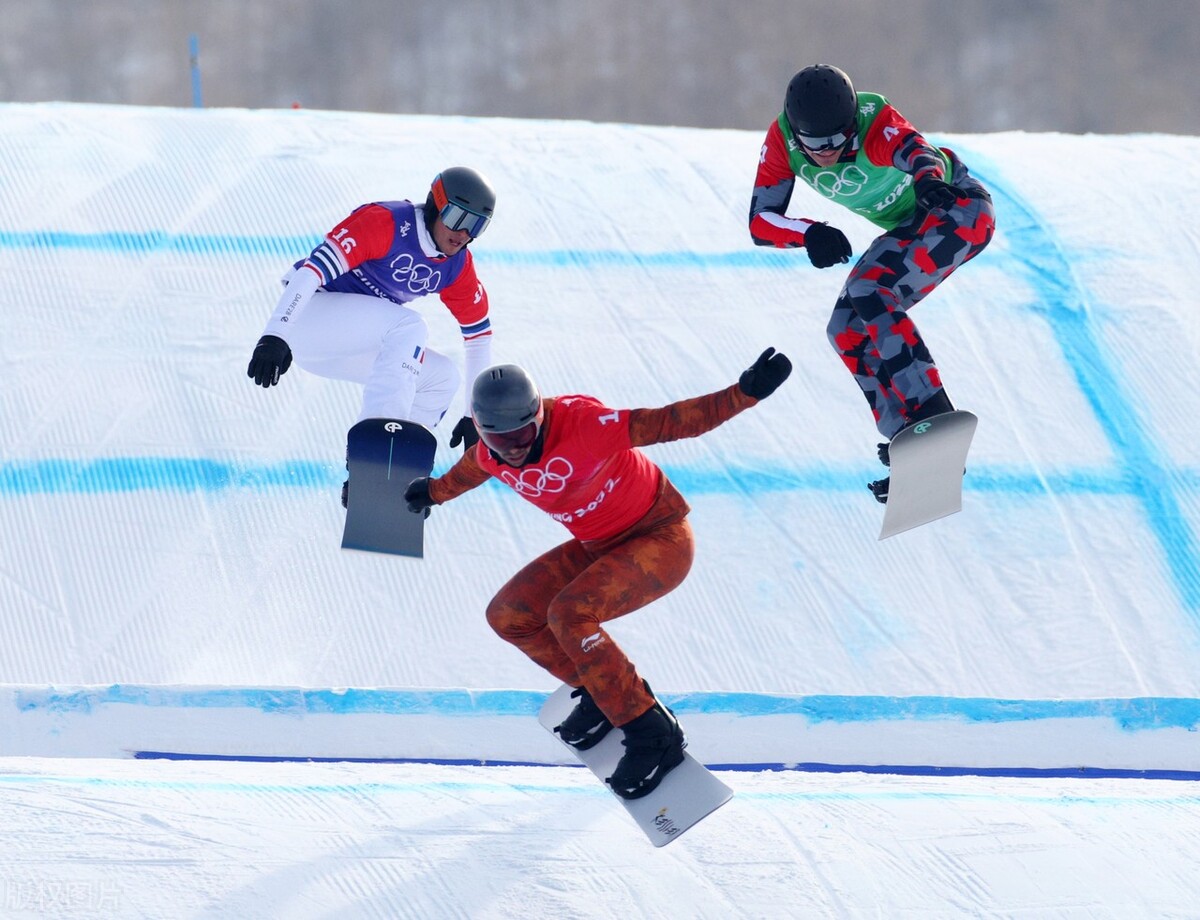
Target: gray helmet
[
  {"x": 820, "y": 101},
  {"x": 505, "y": 398},
  {"x": 463, "y": 198}
]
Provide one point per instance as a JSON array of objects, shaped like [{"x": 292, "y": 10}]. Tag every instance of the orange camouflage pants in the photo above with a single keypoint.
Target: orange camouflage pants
[{"x": 552, "y": 610}]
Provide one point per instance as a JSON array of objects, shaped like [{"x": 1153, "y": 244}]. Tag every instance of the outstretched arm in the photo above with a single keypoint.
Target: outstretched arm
[{"x": 690, "y": 418}]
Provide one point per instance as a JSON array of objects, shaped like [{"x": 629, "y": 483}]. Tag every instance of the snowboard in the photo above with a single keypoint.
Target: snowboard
[
  {"x": 687, "y": 794},
  {"x": 927, "y": 464},
  {"x": 383, "y": 456}
]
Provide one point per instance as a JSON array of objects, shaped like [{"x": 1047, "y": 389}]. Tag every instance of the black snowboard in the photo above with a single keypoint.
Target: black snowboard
[{"x": 384, "y": 455}]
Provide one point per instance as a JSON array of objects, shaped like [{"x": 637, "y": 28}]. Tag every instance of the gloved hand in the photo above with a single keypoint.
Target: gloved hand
[
  {"x": 935, "y": 195},
  {"x": 826, "y": 245},
  {"x": 417, "y": 496},
  {"x": 464, "y": 433},
  {"x": 763, "y": 377},
  {"x": 270, "y": 361}
]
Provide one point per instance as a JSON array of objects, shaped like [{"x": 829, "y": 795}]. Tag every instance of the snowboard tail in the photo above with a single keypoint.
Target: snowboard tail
[
  {"x": 927, "y": 464},
  {"x": 686, "y": 795},
  {"x": 383, "y": 457}
]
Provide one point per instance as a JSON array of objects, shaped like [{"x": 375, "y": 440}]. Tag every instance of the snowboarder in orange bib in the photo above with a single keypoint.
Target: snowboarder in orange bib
[{"x": 579, "y": 461}]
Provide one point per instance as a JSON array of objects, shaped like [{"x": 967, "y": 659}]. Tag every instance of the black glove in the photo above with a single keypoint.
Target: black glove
[
  {"x": 826, "y": 245},
  {"x": 762, "y": 378},
  {"x": 935, "y": 195},
  {"x": 464, "y": 433},
  {"x": 417, "y": 496},
  {"x": 270, "y": 360}
]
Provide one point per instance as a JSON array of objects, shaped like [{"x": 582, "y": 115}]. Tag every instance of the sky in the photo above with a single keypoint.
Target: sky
[{"x": 993, "y": 715}]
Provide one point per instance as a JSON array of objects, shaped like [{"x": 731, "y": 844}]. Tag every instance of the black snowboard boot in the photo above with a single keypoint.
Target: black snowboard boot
[
  {"x": 935, "y": 405},
  {"x": 654, "y": 745},
  {"x": 586, "y": 725},
  {"x": 879, "y": 488}
]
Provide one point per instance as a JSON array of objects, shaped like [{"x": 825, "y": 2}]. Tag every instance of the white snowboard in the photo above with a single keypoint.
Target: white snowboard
[
  {"x": 928, "y": 460},
  {"x": 686, "y": 795}
]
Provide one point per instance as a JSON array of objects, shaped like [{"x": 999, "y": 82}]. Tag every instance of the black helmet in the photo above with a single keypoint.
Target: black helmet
[
  {"x": 820, "y": 103},
  {"x": 507, "y": 408},
  {"x": 462, "y": 198}
]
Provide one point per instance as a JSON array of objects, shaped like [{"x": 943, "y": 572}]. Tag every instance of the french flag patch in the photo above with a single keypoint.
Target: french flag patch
[{"x": 419, "y": 355}]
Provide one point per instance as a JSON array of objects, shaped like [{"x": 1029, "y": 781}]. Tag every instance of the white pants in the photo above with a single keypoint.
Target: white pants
[{"x": 380, "y": 344}]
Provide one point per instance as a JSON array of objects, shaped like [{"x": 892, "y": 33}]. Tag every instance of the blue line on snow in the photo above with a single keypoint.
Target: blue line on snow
[
  {"x": 188, "y": 474},
  {"x": 1035, "y": 253},
  {"x": 128, "y": 474},
  {"x": 290, "y": 248},
  {"x": 1134, "y": 714},
  {"x": 1142, "y": 469},
  {"x": 889, "y": 769}
]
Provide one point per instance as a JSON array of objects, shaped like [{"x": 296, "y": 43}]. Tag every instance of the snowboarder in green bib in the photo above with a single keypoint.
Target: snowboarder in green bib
[{"x": 854, "y": 148}]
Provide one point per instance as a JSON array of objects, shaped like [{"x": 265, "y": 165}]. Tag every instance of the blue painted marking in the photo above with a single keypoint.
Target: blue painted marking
[
  {"x": 293, "y": 247},
  {"x": 288, "y": 700},
  {"x": 268, "y": 758},
  {"x": 178, "y": 474},
  {"x": 150, "y": 241},
  {"x": 1143, "y": 470},
  {"x": 888, "y": 769},
  {"x": 188, "y": 474},
  {"x": 1011, "y": 772},
  {"x": 1134, "y": 714}
]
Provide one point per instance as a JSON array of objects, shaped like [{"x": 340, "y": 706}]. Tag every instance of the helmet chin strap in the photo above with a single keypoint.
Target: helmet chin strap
[
  {"x": 430, "y": 213},
  {"x": 535, "y": 452},
  {"x": 534, "y": 455}
]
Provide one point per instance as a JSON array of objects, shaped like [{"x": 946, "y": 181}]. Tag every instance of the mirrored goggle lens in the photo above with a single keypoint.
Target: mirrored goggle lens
[
  {"x": 456, "y": 217},
  {"x": 503, "y": 441},
  {"x": 820, "y": 144}
]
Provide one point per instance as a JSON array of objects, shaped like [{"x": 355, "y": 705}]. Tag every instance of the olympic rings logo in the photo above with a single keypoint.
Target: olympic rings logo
[
  {"x": 536, "y": 482},
  {"x": 848, "y": 182},
  {"x": 420, "y": 279}
]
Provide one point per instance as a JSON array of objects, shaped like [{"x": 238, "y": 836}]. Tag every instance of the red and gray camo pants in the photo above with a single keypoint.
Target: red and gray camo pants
[{"x": 871, "y": 329}]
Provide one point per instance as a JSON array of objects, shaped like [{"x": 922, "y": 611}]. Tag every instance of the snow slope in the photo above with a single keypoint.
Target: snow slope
[{"x": 168, "y": 538}]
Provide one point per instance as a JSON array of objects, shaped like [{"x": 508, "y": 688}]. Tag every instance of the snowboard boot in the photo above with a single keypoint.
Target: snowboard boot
[
  {"x": 654, "y": 745},
  {"x": 935, "y": 405},
  {"x": 585, "y": 726},
  {"x": 879, "y": 488}
]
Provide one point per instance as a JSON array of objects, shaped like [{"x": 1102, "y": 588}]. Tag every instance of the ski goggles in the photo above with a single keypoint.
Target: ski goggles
[
  {"x": 454, "y": 215},
  {"x": 821, "y": 144},
  {"x": 518, "y": 439}
]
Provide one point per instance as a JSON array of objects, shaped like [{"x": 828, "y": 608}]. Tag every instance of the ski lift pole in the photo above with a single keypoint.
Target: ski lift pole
[{"x": 194, "y": 60}]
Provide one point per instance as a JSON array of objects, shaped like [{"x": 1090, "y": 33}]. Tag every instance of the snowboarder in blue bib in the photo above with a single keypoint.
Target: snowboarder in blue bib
[{"x": 856, "y": 149}]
